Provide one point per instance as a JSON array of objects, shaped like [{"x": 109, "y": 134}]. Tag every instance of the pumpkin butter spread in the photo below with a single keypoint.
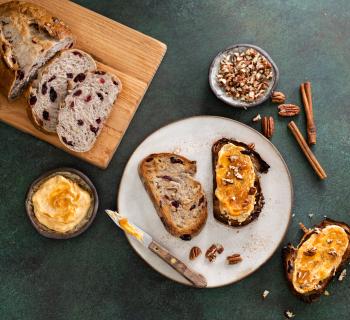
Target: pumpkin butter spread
[
  {"x": 235, "y": 178},
  {"x": 61, "y": 204}
]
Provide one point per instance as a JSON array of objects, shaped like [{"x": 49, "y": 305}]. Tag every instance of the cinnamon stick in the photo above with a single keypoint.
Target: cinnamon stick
[
  {"x": 307, "y": 151},
  {"x": 305, "y": 89}
]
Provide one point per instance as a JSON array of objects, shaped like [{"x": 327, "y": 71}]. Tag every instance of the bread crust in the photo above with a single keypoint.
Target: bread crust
[
  {"x": 260, "y": 166},
  {"x": 162, "y": 211},
  {"x": 289, "y": 255},
  {"x": 22, "y": 15}
]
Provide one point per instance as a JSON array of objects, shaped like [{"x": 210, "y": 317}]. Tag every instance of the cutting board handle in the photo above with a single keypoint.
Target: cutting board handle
[{"x": 195, "y": 278}]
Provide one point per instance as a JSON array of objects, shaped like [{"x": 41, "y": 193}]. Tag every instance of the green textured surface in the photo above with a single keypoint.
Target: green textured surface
[{"x": 97, "y": 275}]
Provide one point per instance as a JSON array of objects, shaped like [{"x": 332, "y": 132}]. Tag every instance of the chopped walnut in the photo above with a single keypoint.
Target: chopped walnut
[
  {"x": 289, "y": 314},
  {"x": 227, "y": 181},
  {"x": 245, "y": 75},
  {"x": 265, "y": 294},
  {"x": 332, "y": 252},
  {"x": 342, "y": 275},
  {"x": 257, "y": 118}
]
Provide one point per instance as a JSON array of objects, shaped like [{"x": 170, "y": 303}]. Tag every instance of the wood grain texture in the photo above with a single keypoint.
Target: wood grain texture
[
  {"x": 131, "y": 55},
  {"x": 194, "y": 277}
]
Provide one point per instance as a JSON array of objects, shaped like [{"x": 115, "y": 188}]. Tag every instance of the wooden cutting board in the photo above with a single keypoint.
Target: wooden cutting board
[{"x": 131, "y": 55}]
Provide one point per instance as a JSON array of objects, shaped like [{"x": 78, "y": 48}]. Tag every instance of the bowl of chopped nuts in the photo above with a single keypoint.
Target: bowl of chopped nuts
[{"x": 243, "y": 75}]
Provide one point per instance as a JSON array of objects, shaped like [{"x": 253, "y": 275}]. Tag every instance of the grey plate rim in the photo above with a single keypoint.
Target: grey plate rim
[
  {"x": 237, "y": 103},
  {"x": 42, "y": 229}
]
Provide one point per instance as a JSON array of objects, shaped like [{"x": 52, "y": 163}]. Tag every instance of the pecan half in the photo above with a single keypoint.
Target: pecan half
[
  {"x": 195, "y": 252},
  {"x": 213, "y": 250},
  {"x": 268, "y": 126},
  {"x": 251, "y": 146},
  {"x": 234, "y": 258},
  {"x": 211, "y": 253},
  {"x": 288, "y": 110},
  {"x": 278, "y": 97}
]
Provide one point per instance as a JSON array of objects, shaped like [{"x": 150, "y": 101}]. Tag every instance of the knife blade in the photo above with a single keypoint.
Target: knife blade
[{"x": 143, "y": 237}]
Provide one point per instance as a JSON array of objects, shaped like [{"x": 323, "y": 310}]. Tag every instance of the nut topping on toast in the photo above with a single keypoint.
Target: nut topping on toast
[
  {"x": 238, "y": 199},
  {"x": 322, "y": 252}
]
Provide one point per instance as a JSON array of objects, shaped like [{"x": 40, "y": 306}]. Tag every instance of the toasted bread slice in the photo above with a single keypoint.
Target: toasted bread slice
[
  {"x": 326, "y": 248},
  {"x": 238, "y": 198},
  {"x": 178, "y": 198}
]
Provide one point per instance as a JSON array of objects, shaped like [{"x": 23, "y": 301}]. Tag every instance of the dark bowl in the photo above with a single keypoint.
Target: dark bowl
[
  {"x": 220, "y": 93},
  {"x": 84, "y": 182}
]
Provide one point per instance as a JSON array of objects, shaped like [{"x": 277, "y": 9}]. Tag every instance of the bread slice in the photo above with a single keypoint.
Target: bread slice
[
  {"x": 178, "y": 198},
  {"x": 48, "y": 91},
  {"x": 86, "y": 108},
  {"x": 332, "y": 248},
  {"x": 29, "y": 37},
  {"x": 240, "y": 190}
]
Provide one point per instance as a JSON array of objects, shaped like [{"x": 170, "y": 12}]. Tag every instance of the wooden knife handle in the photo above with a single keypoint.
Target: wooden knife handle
[{"x": 195, "y": 278}]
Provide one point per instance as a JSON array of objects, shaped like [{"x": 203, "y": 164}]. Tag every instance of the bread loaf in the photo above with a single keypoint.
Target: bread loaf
[{"x": 29, "y": 37}]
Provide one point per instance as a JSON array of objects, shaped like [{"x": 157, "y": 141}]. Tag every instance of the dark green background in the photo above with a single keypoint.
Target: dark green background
[{"x": 98, "y": 275}]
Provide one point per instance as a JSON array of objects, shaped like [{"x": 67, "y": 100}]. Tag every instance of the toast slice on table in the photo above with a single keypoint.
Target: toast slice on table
[
  {"x": 237, "y": 194},
  {"x": 178, "y": 198},
  {"x": 321, "y": 254}
]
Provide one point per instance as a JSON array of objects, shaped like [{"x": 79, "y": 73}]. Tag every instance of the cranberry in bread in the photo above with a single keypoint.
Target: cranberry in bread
[
  {"x": 48, "y": 91},
  {"x": 86, "y": 108},
  {"x": 29, "y": 37},
  {"x": 178, "y": 198}
]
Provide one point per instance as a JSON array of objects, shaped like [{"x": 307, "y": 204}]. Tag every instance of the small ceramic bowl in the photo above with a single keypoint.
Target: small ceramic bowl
[
  {"x": 220, "y": 92},
  {"x": 84, "y": 182}
]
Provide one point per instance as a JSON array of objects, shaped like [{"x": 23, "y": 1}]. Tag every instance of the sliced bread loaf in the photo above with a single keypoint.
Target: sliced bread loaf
[
  {"x": 29, "y": 37},
  {"x": 49, "y": 90},
  {"x": 86, "y": 108},
  {"x": 178, "y": 198}
]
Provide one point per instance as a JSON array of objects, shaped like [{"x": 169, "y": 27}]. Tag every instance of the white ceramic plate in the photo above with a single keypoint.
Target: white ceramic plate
[{"x": 256, "y": 242}]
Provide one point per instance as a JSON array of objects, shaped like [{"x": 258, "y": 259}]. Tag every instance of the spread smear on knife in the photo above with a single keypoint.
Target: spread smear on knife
[
  {"x": 235, "y": 179},
  {"x": 318, "y": 258}
]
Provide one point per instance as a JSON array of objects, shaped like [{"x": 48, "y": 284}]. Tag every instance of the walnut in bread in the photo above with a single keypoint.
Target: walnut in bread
[
  {"x": 48, "y": 91},
  {"x": 178, "y": 198},
  {"x": 321, "y": 254},
  {"x": 29, "y": 37},
  {"x": 237, "y": 196}
]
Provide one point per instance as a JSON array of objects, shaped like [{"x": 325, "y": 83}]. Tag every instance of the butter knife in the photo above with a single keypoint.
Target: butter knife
[{"x": 144, "y": 238}]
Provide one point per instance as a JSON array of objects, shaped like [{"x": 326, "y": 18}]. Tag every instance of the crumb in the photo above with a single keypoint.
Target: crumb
[
  {"x": 293, "y": 215},
  {"x": 342, "y": 275},
  {"x": 326, "y": 293},
  {"x": 257, "y": 118},
  {"x": 289, "y": 314},
  {"x": 265, "y": 294}
]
